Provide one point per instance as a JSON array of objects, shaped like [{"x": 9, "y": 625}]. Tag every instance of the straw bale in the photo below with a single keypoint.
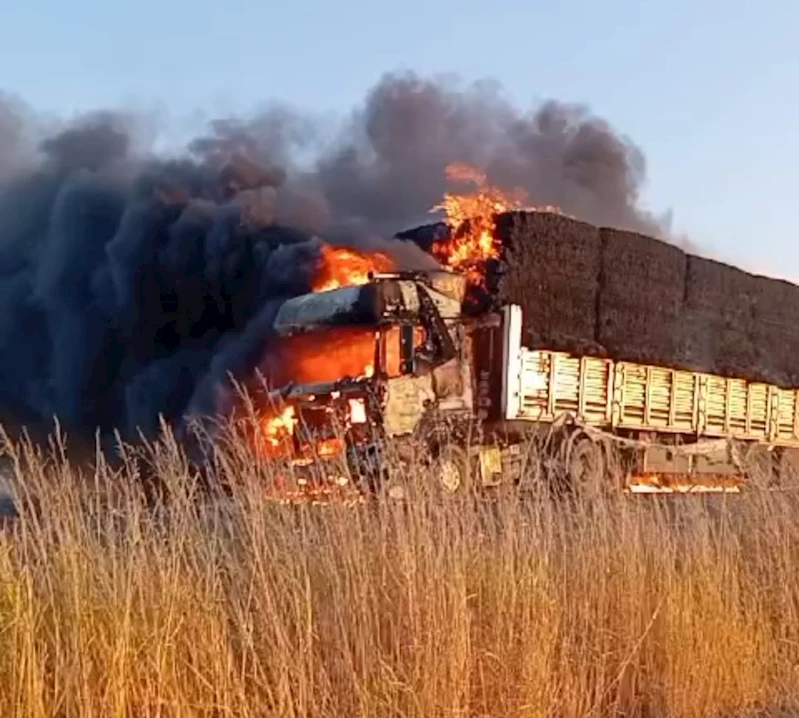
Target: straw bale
[{"x": 551, "y": 269}]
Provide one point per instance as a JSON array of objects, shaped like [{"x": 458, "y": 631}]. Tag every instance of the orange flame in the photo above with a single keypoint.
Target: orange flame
[
  {"x": 345, "y": 266},
  {"x": 319, "y": 357},
  {"x": 470, "y": 218},
  {"x": 275, "y": 440},
  {"x": 332, "y": 446},
  {"x": 323, "y": 356},
  {"x": 277, "y": 428}
]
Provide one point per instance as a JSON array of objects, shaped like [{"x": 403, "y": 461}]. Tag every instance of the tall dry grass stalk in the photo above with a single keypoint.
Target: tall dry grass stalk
[{"x": 226, "y": 604}]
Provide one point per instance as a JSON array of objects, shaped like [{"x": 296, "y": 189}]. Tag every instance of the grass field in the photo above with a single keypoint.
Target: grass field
[{"x": 238, "y": 606}]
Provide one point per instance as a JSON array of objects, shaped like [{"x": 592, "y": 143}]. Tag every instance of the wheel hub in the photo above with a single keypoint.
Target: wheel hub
[
  {"x": 586, "y": 467},
  {"x": 583, "y": 468},
  {"x": 450, "y": 475},
  {"x": 396, "y": 492}
]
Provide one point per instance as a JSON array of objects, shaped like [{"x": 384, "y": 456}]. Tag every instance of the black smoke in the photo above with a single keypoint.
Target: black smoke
[{"x": 133, "y": 284}]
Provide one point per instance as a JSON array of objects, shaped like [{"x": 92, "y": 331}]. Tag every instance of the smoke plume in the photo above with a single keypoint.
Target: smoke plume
[{"x": 132, "y": 284}]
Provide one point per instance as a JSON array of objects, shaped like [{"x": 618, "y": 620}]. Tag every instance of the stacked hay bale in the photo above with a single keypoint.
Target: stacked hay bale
[
  {"x": 776, "y": 329},
  {"x": 719, "y": 320},
  {"x": 551, "y": 268},
  {"x": 614, "y": 293},
  {"x": 641, "y": 287}
]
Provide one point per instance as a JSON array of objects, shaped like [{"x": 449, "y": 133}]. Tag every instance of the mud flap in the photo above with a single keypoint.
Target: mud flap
[{"x": 490, "y": 465}]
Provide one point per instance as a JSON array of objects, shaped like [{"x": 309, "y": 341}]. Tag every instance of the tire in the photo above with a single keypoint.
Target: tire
[
  {"x": 761, "y": 466},
  {"x": 394, "y": 491},
  {"x": 586, "y": 468},
  {"x": 451, "y": 470}
]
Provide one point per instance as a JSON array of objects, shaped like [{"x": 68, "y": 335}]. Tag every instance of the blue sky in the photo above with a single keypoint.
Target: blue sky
[{"x": 707, "y": 89}]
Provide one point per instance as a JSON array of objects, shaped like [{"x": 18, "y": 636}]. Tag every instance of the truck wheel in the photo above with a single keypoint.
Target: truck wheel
[
  {"x": 393, "y": 489},
  {"x": 451, "y": 470},
  {"x": 586, "y": 468},
  {"x": 761, "y": 466}
]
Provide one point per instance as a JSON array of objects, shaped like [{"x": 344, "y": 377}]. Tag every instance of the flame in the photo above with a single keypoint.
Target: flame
[
  {"x": 345, "y": 266},
  {"x": 323, "y": 356},
  {"x": 470, "y": 218},
  {"x": 683, "y": 484},
  {"x": 334, "y": 353},
  {"x": 319, "y": 357},
  {"x": 330, "y": 447},
  {"x": 277, "y": 428}
]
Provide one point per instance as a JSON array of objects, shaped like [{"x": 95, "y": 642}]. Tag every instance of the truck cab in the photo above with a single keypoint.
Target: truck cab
[{"x": 371, "y": 362}]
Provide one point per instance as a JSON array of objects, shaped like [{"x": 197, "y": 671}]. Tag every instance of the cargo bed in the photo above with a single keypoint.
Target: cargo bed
[{"x": 542, "y": 385}]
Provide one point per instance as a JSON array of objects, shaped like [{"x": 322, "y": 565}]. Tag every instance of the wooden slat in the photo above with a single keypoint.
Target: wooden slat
[{"x": 639, "y": 396}]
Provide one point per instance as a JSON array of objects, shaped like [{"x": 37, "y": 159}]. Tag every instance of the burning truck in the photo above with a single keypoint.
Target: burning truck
[
  {"x": 428, "y": 363},
  {"x": 425, "y": 363},
  {"x": 133, "y": 287},
  {"x": 408, "y": 366},
  {"x": 387, "y": 360}
]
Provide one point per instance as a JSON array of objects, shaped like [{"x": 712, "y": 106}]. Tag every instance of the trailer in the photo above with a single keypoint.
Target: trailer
[{"x": 681, "y": 430}]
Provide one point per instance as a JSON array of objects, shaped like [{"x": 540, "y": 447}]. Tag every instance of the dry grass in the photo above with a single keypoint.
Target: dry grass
[{"x": 236, "y": 606}]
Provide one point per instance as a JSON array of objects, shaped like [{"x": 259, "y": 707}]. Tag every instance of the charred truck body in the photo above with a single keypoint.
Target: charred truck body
[{"x": 464, "y": 392}]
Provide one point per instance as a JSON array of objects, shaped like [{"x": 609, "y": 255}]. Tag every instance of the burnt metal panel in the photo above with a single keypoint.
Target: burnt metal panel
[
  {"x": 484, "y": 346},
  {"x": 407, "y": 342},
  {"x": 345, "y": 306},
  {"x": 406, "y": 403}
]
